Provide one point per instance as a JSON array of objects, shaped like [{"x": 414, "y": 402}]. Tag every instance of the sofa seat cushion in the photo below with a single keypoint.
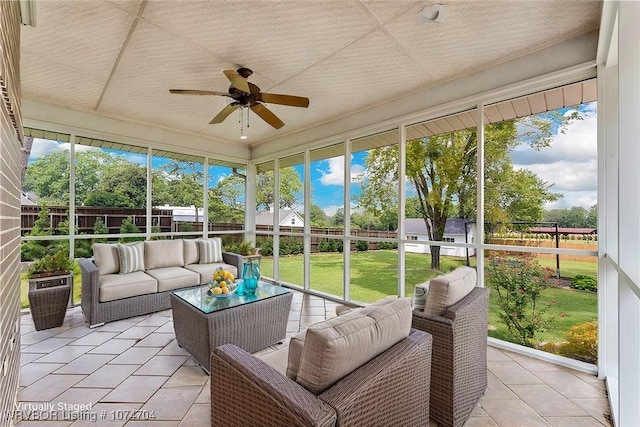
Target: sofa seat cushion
[
  {"x": 163, "y": 253},
  {"x": 117, "y": 286},
  {"x": 336, "y": 347},
  {"x": 448, "y": 289},
  {"x": 173, "y": 278},
  {"x": 206, "y": 270}
]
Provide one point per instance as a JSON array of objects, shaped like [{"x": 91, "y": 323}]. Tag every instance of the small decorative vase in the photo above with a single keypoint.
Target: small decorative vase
[{"x": 251, "y": 275}]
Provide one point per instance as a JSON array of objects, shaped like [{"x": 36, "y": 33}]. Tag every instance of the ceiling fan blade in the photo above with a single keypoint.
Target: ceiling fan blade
[
  {"x": 224, "y": 113},
  {"x": 266, "y": 115},
  {"x": 237, "y": 80},
  {"x": 197, "y": 92},
  {"x": 293, "y": 101}
]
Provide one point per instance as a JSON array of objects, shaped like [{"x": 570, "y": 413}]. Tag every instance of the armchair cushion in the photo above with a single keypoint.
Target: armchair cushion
[
  {"x": 444, "y": 291},
  {"x": 334, "y": 348}
]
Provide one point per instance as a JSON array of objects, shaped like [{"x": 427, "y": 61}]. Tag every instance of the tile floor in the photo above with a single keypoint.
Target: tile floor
[{"x": 133, "y": 373}]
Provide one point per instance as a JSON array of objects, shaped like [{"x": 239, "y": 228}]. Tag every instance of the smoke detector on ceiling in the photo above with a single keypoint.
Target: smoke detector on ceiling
[{"x": 431, "y": 14}]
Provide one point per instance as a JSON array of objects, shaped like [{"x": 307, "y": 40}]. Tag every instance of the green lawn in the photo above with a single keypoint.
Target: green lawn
[{"x": 374, "y": 275}]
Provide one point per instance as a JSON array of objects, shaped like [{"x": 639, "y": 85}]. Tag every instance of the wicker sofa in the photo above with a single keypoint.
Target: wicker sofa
[
  {"x": 459, "y": 361},
  {"x": 389, "y": 389},
  {"x": 108, "y": 294}
]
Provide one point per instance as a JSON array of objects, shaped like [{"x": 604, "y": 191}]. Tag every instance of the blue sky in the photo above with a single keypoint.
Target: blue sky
[{"x": 570, "y": 164}]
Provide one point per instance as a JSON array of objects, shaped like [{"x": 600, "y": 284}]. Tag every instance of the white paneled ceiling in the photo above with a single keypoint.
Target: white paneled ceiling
[{"x": 120, "y": 58}]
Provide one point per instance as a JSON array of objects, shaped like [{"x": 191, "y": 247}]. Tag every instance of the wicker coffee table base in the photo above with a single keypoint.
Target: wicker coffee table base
[{"x": 251, "y": 326}]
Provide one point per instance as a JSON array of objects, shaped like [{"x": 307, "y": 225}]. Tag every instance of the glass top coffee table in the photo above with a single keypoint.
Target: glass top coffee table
[{"x": 203, "y": 321}]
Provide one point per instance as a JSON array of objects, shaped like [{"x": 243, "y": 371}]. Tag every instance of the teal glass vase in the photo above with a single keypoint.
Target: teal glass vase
[{"x": 250, "y": 275}]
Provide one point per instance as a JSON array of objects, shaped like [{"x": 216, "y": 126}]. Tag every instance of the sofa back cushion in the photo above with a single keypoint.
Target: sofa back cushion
[
  {"x": 335, "y": 348},
  {"x": 131, "y": 257},
  {"x": 210, "y": 250},
  {"x": 105, "y": 257},
  {"x": 191, "y": 253},
  {"x": 446, "y": 290},
  {"x": 163, "y": 253}
]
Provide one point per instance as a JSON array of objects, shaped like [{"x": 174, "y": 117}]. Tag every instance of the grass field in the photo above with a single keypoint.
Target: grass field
[{"x": 374, "y": 275}]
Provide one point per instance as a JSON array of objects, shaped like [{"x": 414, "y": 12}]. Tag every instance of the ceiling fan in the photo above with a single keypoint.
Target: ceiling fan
[{"x": 248, "y": 95}]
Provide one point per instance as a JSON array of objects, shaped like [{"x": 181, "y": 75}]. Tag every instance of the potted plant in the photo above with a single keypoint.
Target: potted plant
[{"x": 56, "y": 264}]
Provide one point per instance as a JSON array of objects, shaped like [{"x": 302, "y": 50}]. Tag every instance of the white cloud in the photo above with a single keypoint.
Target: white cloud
[
  {"x": 570, "y": 163},
  {"x": 334, "y": 173},
  {"x": 42, "y": 147},
  {"x": 332, "y": 209}
]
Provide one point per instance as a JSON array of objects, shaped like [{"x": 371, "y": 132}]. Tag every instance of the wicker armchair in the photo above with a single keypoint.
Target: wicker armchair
[
  {"x": 392, "y": 389},
  {"x": 459, "y": 358}
]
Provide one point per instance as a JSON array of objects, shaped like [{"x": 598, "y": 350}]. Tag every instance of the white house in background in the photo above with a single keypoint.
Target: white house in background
[
  {"x": 185, "y": 213},
  {"x": 288, "y": 218},
  {"x": 454, "y": 231}
]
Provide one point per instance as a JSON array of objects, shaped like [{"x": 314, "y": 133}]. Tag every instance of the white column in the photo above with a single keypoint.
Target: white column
[
  {"x": 72, "y": 197},
  {"x": 402, "y": 193},
  {"x": 250, "y": 204},
  {"x": 276, "y": 219},
  {"x": 205, "y": 199},
  {"x": 307, "y": 220},
  {"x": 480, "y": 196},
  {"x": 149, "y": 195},
  {"x": 346, "y": 242}
]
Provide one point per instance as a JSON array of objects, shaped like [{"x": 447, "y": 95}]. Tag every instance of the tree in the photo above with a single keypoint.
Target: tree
[
  {"x": 290, "y": 189},
  {"x": 128, "y": 227},
  {"x": 226, "y": 200},
  {"x": 442, "y": 170},
  {"x": 123, "y": 186},
  {"x": 184, "y": 185},
  {"x": 317, "y": 217},
  {"x": 337, "y": 220}
]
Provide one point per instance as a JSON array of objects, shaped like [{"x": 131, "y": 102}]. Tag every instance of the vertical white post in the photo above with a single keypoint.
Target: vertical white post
[
  {"x": 205, "y": 199},
  {"x": 628, "y": 212},
  {"x": 307, "y": 220},
  {"x": 72, "y": 197},
  {"x": 149, "y": 195},
  {"x": 480, "y": 196},
  {"x": 250, "y": 203},
  {"x": 276, "y": 219},
  {"x": 346, "y": 241},
  {"x": 402, "y": 193}
]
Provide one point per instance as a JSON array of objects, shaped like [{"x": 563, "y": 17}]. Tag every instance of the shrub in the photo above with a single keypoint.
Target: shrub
[
  {"x": 56, "y": 262},
  {"x": 518, "y": 280},
  {"x": 186, "y": 227},
  {"x": 362, "y": 245},
  {"x": 266, "y": 247},
  {"x": 582, "y": 342},
  {"x": 387, "y": 245},
  {"x": 584, "y": 282},
  {"x": 128, "y": 227},
  {"x": 242, "y": 248}
]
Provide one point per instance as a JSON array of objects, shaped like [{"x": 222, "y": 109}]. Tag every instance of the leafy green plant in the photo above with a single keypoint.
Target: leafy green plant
[
  {"x": 582, "y": 342},
  {"x": 50, "y": 263},
  {"x": 584, "y": 282},
  {"x": 128, "y": 227},
  {"x": 242, "y": 248},
  {"x": 266, "y": 247},
  {"x": 518, "y": 281},
  {"x": 362, "y": 245}
]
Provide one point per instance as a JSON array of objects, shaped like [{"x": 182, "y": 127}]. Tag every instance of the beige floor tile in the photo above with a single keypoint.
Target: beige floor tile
[
  {"x": 109, "y": 415},
  {"x": 546, "y": 401},
  {"x": 36, "y": 336},
  {"x": 161, "y": 365},
  {"x": 109, "y": 376},
  {"x": 114, "y": 347},
  {"x": 171, "y": 403},
  {"x": 75, "y": 332},
  {"x": 534, "y": 365},
  {"x": 41, "y": 424},
  {"x": 569, "y": 385},
  {"x": 312, "y": 311},
  {"x": 117, "y": 326},
  {"x": 154, "y": 320},
  {"x": 80, "y": 396},
  {"x": 497, "y": 390},
  {"x": 48, "y": 387},
  {"x": 573, "y": 422},
  {"x": 512, "y": 373},
  {"x": 153, "y": 423},
  {"x": 85, "y": 364},
  {"x": 65, "y": 354},
  {"x": 187, "y": 376},
  {"x": 480, "y": 422},
  {"x": 95, "y": 338},
  {"x": 293, "y": 326},
  {"x": 156, "y": 340},
  {"x": 478, "y": 412},
  {"x": 173, "y": 349},
  {"x": 137, "y": 332},
  {"x": 135, "y": 356},
  {"x": 199, "y": 415},
  {"x": 135, "y": 389},
  {"x": 205, "y": 395},
  {"x": 167, "y": 328},
  {"x": 47, "y": 345},
  {"x": 512, "y": 413},
  {"x": 30, "y": 357},
  {"x": 597, "y": 408},
  {"x": 497, "y": 355},
  {"x": 309, "y": 320},
  {"x": 294, "y": 315},
  {"x": 32, "y": 372}
]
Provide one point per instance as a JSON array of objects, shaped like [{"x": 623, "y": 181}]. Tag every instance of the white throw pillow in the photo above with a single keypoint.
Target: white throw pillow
[
  {"x": 131, "y": 257},
  {"x": 210, "y": 250}
]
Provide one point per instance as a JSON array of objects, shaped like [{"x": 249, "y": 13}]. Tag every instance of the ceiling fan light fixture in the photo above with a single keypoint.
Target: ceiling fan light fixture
[{"x": 431, "y": 14}]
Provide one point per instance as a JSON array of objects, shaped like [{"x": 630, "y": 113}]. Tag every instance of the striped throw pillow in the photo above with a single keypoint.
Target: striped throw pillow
[
  {"x": 131, "y": 257},
  {"x": 210, "y": 250}
]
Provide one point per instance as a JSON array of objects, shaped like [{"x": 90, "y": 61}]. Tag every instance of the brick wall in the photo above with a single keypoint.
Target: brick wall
[{"x": 10, "y": 136}]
